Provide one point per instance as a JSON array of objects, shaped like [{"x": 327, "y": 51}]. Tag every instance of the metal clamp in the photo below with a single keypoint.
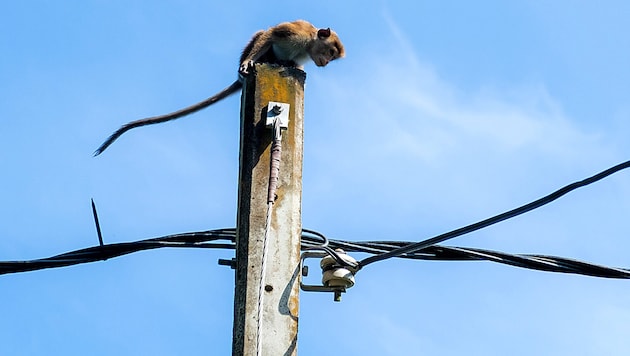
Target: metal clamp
[{"x": 278, "y": 111}]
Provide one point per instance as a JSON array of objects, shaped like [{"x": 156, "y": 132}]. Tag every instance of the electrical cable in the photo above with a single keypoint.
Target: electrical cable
[
  {"x": 495, "y": 219},
  {"x": 380, "y": 250},
  {"x": 309, "y": 245},
  {"x": 107, "y": 251},
  {"x": 448, "y": 253},
  {"x": 309, "y": 240},
  {"x": 202, "y": 239}
]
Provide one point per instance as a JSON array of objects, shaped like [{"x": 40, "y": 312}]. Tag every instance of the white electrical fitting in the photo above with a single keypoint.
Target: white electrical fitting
[
  {"x": 337, "y": 271},
  {"x": 336, "y": 275}
]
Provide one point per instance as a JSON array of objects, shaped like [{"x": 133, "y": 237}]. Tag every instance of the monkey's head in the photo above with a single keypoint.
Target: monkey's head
[{"x": 326, "y": 48}]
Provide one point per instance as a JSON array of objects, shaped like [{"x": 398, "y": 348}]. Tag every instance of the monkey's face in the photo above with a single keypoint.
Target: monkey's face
[
  {"x": 326, "y": 50},
  {"x": 322, "y": 60}
]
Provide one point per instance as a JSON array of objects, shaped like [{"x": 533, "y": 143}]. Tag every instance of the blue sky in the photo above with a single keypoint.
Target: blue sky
[{"x": 443, "y": 113}]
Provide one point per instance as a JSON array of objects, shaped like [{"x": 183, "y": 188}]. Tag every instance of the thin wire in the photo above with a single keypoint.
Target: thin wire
[
  {"x": 98, "y": 225},
  {"x": 263, "y": 271},
  {"x": 495, "y": 219}
]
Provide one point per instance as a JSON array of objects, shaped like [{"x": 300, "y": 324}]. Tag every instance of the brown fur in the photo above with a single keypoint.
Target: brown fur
[
  {"x": 288, "y": 44},
  {"x": 292, "y": 43}
]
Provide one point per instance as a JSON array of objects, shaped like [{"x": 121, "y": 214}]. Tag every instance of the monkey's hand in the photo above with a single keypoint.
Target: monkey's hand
[{"x": 245, "y": 66}]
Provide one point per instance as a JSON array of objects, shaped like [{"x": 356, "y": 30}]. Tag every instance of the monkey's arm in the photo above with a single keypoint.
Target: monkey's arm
[
  {"x": 258, "y": 47},
  {"x": 233, "y": 88}
]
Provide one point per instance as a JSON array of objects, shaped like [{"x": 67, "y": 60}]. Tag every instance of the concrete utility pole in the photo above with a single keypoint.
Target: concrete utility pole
[{"x": 280, "y": 302}]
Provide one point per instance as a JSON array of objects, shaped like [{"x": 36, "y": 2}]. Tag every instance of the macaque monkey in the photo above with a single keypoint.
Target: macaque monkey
[{"x": 289, "y": 44}]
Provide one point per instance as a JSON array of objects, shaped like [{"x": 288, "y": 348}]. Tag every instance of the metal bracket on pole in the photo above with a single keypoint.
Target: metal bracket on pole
[{"x": 278, "y": 111}]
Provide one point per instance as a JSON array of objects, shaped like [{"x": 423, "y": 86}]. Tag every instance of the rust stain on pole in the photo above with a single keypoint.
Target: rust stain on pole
[{"x": 281, "y": 300}]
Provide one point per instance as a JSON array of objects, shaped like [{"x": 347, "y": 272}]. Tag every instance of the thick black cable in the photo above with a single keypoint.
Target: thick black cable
[
  {"x": 493, "y": 220},
  {"x": 105, "y": 252},
  {"x": 306, "y": 237},
  {"x": 312, "y": 239},
  {"x": 308, "y": 244},
  {"x": 445, "y": 253},
  {"x": 529, "y": 261}
]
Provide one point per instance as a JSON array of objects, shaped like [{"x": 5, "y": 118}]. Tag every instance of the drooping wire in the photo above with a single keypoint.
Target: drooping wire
[
  {"x": 309, "y": 245},
  {"x": 493, "y": 220},
  {"x": 306, "y": 238}
]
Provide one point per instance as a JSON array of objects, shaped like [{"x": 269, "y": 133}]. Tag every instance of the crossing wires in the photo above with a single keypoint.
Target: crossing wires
[{"x": 427, "y": 249}]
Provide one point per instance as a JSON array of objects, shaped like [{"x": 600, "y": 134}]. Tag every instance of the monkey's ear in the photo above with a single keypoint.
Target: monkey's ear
[{"x": 323, "y": 32}]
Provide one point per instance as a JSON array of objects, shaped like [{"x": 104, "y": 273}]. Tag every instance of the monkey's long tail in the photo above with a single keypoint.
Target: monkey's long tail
[{"x": 233, "y": 88}]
